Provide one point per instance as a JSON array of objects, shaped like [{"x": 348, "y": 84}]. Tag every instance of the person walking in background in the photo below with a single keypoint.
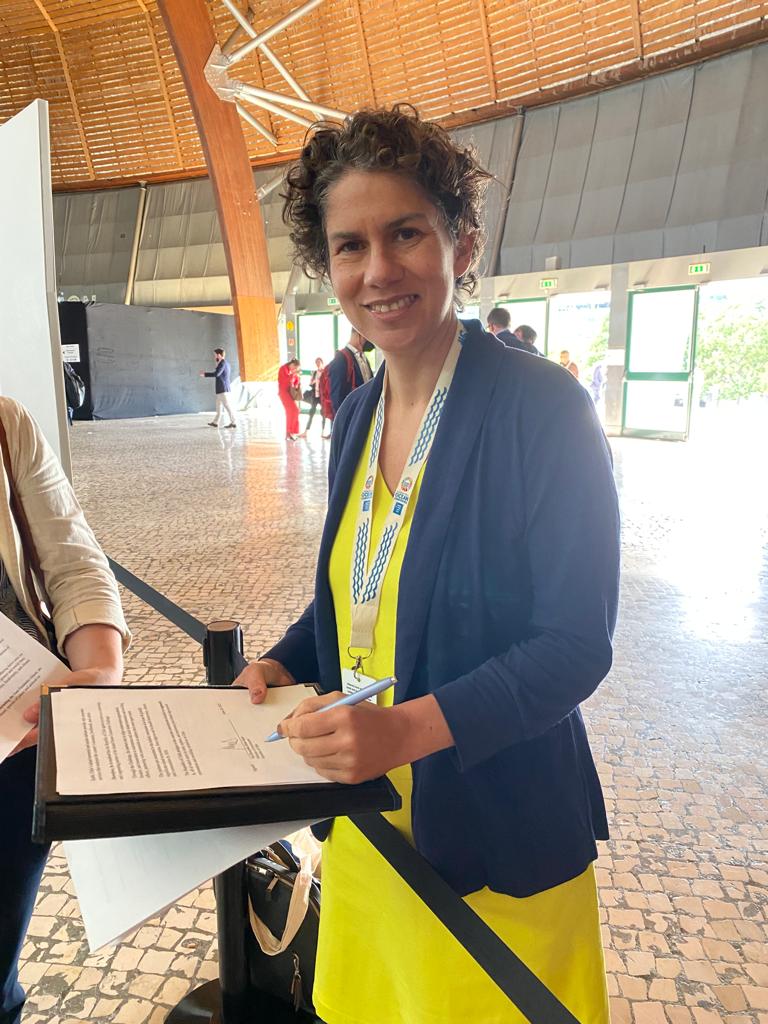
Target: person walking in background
[
  {"x": 289, "y": 392},
  {"x": 597, "y": 383},
  {"x": 522, "y": 338},
  {"x": 568, "y": 364},
  {"x": 222, "y": 374},
  {"x": 312, "y": 395}
]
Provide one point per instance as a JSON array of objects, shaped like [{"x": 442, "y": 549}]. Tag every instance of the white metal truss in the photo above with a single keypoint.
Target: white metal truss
[{"x": 232, "y": 90}]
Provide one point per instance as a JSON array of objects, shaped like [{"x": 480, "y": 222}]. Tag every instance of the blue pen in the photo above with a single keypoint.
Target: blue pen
[{"x": 350, "y": 699}]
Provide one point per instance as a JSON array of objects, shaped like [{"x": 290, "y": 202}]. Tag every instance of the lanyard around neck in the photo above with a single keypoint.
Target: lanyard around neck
[{"x": 366, "y": 583}]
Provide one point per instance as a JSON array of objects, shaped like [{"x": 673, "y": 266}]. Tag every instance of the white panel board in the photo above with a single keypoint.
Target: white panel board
[{"x": 30, "y": 345}]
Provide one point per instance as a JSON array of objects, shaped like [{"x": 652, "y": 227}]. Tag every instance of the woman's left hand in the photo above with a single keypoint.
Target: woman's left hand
[{"x": 347, "y": 744}]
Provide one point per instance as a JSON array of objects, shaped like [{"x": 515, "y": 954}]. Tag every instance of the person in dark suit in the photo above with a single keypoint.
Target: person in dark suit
[
  {"x": 522, "y": 338},
  {"x": 223, "y": 377},
  {"x": 470, "y": 553}
]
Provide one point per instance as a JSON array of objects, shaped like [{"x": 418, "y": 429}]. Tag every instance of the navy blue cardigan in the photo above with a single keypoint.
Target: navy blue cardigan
[{"x": 506, "y": 608}]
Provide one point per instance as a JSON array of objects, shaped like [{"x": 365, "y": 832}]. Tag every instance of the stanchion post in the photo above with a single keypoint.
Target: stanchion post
[
  {"x": 223, "y": 642},
  {"x": 226, "y": 1000}
]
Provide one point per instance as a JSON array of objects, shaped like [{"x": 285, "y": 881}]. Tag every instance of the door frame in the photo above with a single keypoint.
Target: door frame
[{"x": 683, "y": 377}]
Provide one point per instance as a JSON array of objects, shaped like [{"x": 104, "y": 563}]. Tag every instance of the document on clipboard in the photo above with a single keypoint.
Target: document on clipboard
[
  {"x": 148, "y": 760},
  {"x": 167, "y": 739}
]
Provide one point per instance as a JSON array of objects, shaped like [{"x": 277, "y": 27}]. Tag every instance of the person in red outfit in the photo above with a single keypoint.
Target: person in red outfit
[{"x": 288, "y": 389}]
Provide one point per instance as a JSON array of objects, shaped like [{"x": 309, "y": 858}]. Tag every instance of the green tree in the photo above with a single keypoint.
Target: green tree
[
  {"x": 732, "y": 354},
  {"x": 598, "y": 349}
]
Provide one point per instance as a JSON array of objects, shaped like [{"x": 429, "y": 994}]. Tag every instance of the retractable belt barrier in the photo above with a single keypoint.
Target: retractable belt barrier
[{"x": 506, "y": 970}]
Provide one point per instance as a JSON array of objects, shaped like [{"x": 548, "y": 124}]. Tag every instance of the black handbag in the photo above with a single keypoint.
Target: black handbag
[
  {"x": 271, "y": 878},
  {"x": 74, "y": 388},
  {"x": 309, "y": 395}
]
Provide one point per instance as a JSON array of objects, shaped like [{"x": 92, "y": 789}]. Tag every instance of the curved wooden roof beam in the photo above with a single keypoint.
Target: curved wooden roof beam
[
  {"x": 70, "y": 88},
  {"x": 242, "y": 227}
]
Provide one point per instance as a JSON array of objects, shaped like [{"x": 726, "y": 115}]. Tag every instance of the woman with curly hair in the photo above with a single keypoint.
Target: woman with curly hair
[{"x": 472, "y": 554}]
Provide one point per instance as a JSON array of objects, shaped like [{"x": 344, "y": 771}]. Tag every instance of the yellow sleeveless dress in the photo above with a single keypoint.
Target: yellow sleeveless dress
[{"x": 383, "y": 958}]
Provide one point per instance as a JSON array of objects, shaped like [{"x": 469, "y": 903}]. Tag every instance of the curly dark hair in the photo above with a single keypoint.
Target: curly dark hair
[{"x": 384, "y": 140}]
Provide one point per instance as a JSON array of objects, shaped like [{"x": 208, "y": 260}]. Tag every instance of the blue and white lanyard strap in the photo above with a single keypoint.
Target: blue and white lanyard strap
[{"x": 366, "y": 583}]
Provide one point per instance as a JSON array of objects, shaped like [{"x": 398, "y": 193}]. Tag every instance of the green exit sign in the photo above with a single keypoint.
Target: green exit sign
[
  {"x": 332, "y": 300},
  {"x": 548, "y": 282},
  {"x": 698, "y": 268}
]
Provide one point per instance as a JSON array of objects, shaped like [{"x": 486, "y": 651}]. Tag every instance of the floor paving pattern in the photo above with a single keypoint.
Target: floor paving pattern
[{"x": 227, "y": 523}]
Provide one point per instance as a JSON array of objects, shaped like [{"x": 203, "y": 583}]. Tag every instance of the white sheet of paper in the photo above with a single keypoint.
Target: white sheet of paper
[
  {"x": 129, "y": 740},
  {"x": 121, "y": 883},
  {"x": 24, "y": 666}
]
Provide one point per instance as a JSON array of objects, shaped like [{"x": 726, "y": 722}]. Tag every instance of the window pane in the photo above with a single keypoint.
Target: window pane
[
  {"x": 657, "y": 405},
  {"x": 315, "y": 338},
  {"x": 578, "y": 324},
  {"x": 662, "y": 331},
  {"x": 343, "y": 330}
]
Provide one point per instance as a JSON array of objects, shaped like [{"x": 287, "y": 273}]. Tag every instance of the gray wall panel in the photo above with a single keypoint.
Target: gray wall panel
[
  {"x": 670, "y": 165},
  {"x": 93, "y": 234},
  {"x": 676, "y": 165},
  {"x": 146, "y": 362},
  {"x": 568, "y": 170},
  {"x": 611, "y": 154}
]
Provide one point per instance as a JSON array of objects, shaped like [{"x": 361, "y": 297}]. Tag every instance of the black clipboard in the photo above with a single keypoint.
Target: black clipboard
[{"x": 104, "y": 816}]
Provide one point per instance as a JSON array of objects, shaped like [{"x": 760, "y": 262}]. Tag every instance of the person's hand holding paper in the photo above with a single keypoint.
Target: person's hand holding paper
[{"x": 95, "y": 654}]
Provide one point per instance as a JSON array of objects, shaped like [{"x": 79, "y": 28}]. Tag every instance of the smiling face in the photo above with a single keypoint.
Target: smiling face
[{"x": 391, "y": 260}]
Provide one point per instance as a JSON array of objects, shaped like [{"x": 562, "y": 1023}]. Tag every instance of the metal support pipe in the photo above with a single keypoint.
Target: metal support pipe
[
  {"x": 252, "y": 92},
  {"x": 283, "y": 70},
  {"x": 492, "y": 266},
  {"x": 239, "y": 17},
  {"x": 138, "y": 231},
  {"x": 274, "y": 109},
  {"x": 269, "y": 186},
  {"x": 254, "y": 123},
  {"x": 244, "y": 25},
  {"x": 291, "y": 286},
  {"x": 263, "y": 37}
]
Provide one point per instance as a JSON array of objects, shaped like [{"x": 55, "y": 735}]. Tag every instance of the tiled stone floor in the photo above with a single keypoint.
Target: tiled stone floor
[{"x": 227, "y": 523}]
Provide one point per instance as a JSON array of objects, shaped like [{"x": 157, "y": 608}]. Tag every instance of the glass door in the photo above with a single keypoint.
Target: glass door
[
  {"x": 316, "y": 336},
  {"x": 658, "y": 378}
]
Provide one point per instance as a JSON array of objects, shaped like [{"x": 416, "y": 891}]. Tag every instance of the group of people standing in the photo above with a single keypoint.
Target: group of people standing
[
  {"x": 328, "y": 386},
  {"x": 523, "y": 339}
]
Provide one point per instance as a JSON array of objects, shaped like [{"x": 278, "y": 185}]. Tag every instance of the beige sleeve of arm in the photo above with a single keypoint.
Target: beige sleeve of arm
[{"x": 80, "y": 584}]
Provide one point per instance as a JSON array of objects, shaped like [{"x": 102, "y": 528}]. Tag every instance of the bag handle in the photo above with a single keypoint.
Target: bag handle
[
  {"x": 297, "y": 910},
  {"x": 521, "y": 986},
  {"x": 32, "y": 569}
]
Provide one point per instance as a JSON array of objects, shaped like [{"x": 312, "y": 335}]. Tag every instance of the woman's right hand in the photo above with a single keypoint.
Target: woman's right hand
[{"x": 263, "y": 673}]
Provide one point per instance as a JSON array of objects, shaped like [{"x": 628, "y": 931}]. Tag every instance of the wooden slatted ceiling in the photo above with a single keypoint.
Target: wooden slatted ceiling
[{"x": 456, "y": 60}]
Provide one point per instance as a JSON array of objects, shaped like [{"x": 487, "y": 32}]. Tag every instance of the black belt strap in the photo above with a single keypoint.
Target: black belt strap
[{"x": 503, "y": 967}]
